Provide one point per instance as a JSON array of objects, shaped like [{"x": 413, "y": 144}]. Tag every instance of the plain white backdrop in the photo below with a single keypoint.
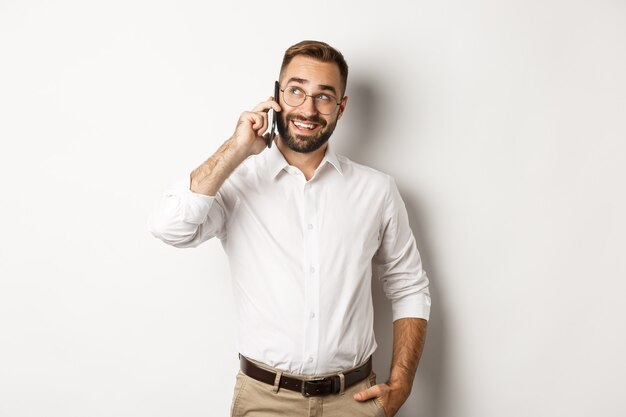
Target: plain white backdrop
[{"x": 503, "y": 122}]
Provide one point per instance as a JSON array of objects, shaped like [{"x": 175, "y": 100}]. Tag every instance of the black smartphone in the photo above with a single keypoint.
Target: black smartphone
[{"x": 272, "y": 116}]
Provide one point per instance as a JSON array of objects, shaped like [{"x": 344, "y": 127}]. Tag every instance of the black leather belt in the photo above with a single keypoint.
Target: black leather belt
[{"x": 311, "y": 387}]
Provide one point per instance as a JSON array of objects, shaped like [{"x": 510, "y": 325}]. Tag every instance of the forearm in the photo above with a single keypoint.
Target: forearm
[
  {"x": 408, "y": 343},
  {"x": 211, "y": 174}
]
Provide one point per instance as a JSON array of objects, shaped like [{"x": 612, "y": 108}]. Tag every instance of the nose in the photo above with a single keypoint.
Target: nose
[{"x": 308, "y": 107}]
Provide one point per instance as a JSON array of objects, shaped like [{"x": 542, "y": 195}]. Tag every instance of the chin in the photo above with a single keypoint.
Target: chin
[{"x": 303, "y": 143}]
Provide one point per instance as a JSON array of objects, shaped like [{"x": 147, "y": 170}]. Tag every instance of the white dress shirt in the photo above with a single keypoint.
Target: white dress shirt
[{"x": 302, "y": 254}]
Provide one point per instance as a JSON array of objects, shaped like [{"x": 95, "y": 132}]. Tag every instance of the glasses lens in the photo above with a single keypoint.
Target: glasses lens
[
  {"x": 294, "y": 96},
  {"x": 325, "y": 104}
]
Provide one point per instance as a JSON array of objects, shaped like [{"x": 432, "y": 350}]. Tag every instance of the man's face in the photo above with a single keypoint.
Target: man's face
[{"x": 303, "y": 128}]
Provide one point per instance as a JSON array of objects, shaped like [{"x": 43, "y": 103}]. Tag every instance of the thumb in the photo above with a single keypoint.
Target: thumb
[{"x": 372, "y": 392}]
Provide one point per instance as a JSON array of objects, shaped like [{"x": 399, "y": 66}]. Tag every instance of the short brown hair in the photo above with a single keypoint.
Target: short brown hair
[{"x": 320, "y": 51}]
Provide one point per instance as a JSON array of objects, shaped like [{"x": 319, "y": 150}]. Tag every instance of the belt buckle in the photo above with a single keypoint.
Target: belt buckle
[{"x": 315, "y": 383}]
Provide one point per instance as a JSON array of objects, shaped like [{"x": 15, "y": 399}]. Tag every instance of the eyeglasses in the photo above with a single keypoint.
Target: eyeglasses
[{"x": 295, "y": 96}]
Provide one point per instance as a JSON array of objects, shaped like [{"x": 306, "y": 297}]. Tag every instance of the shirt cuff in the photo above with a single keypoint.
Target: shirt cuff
[
  {"x": 194, "y": 206},
  {"x": 416, "y": 305}
]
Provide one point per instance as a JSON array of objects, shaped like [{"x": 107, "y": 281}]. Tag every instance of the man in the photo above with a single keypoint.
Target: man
[{"x": 304, "y": 228}]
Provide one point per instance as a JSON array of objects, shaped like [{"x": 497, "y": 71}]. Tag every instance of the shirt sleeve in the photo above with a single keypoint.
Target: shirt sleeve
[
  {"x": 398, "y": 264},
  {"x": 185, "y": 219}
]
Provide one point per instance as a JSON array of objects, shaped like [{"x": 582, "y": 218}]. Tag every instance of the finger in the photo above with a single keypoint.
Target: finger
[
  {"x": 252, "y": 121},
  {"x": 260, "y": 124},
  {"x": 372, "y": 392},
  {"x": 255, "y": 119},
  {"x": 264, "y": 106},
  {"x": 275, "y": 104}
]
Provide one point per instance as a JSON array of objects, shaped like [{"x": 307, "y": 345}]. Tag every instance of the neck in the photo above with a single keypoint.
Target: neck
[{"x": 305, "y": 162}]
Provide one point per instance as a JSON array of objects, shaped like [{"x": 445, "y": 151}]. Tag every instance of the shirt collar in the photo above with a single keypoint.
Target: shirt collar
[
  {"x": 331, "y": 157},
  {"x": 276, "y": 162}
]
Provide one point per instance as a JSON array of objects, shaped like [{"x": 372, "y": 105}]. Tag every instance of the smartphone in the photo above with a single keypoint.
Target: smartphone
[{"x": 272, "y": 116}]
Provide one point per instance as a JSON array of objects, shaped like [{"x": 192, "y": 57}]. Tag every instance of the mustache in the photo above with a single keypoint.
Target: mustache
[{"x": 315, "y": 119}]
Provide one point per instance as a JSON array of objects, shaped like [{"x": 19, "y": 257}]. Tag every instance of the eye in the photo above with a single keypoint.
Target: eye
[
  {"x": 296, "y": 91},
  {"x": 322, "y": 97}
]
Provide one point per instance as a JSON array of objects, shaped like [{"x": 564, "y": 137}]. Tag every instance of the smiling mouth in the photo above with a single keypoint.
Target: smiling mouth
[
  {"x": 304, "y": 125},
  {"x": 301, "y": 126}
]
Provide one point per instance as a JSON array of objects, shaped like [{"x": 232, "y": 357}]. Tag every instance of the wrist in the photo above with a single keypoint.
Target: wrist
[
  {"x": 400, "y": 386},
  {"x": 237, "y": 149}
]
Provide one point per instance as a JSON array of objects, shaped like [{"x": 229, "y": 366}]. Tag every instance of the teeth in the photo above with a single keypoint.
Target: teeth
[{"x": 303, "y": 125}]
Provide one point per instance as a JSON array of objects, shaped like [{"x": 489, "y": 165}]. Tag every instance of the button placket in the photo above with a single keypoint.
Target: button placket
[{"x": 311, "y": 260}]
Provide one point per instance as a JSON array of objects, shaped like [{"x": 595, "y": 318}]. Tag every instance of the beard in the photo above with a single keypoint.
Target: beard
[{"x": 304, "y": 143}]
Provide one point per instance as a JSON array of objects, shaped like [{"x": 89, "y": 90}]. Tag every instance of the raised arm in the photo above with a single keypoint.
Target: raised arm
[
  {"x": 191, "y": 212},
  {"x": 247, "y": 140}
]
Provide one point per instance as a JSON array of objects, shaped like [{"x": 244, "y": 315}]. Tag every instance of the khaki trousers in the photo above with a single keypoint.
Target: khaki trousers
[{"x": 253, "y": 398}]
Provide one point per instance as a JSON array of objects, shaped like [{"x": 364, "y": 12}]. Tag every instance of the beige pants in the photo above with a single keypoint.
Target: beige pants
[{"x": 253, "y": 398}]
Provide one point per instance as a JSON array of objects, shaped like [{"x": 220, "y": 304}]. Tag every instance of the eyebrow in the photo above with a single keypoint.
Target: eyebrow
[{"x": 322, "y": 87}]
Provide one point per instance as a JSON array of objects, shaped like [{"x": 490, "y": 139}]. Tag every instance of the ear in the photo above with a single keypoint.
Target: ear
[{"x": 342, "y": 106}]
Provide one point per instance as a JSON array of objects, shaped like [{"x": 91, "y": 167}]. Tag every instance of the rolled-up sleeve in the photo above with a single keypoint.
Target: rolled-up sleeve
[
  {"x": 398, "y": 264},
  {"x": 184, "y": 219}
]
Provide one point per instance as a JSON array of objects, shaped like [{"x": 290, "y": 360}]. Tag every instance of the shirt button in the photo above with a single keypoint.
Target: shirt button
[
  {"x": 310, "y": 226},
  {"x": 312, "y": 269},
  {"x": 310, "y": 360},
  {"x": 312, "y": 315}
]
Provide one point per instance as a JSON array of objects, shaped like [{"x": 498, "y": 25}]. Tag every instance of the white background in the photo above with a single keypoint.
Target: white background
[{"x": 503, "y": 122}]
